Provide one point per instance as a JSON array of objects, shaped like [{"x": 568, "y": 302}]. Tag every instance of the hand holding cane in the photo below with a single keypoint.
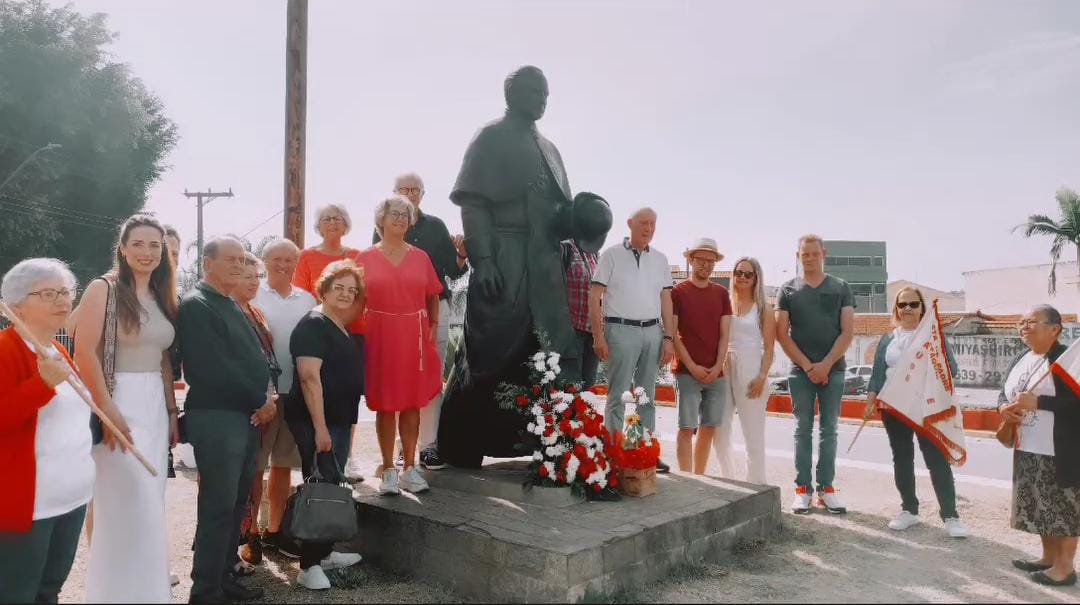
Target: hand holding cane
[{"x": 79, "y": 388}]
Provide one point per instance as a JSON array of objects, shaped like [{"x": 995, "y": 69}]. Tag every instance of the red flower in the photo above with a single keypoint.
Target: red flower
[
  {"x": 572, "y": 389},
  {"x": 536, "y": 390},
  {"x": 543, "y": 470},
  {"x": 564, "y": 426},
  {"x": 596, "y": 487},
  {"x": 579, "y": 451},
  {"x": 522, "y": 401},
  {"x": 560, "y": 477},
  {"x": 613, "y": 481}
]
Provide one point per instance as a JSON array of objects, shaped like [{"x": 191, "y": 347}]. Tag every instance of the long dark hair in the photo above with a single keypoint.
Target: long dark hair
[{"x": 162, "y": 283}]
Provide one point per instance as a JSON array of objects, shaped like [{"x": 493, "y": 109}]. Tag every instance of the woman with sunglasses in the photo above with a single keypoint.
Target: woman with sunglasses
[
  {"x": 908, "y": 310},
  {"x": 750, "y": 355}
]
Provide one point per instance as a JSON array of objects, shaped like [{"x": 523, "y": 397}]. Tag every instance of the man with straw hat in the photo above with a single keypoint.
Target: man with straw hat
[{"x": 702, "y": 325}]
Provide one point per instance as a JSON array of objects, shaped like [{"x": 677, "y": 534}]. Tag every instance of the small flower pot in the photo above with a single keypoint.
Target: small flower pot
[{"x": 637, "y": 483}]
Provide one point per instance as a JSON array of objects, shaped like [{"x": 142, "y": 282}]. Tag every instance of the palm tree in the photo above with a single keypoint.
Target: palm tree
[{"x": 1064, "y": 230}]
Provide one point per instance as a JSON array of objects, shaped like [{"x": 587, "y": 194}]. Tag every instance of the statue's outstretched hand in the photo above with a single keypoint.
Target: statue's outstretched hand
[{"x": 488, "y": 279}]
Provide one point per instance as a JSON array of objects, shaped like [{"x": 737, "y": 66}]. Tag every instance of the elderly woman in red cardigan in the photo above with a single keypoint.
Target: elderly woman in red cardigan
[{"x": 47, "y": 471}]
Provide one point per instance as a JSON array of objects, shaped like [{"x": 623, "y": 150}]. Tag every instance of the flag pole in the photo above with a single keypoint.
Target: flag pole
[
  {"x": 79, "y": 388},
  {"x": 857, "y": 433}
]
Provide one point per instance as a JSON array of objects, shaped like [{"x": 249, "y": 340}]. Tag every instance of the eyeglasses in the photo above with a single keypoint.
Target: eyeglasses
[
  {"x": 350, "y": 290},
  {"x": 1029, "y": 323},
  {"x": 397, "y": 215},
  {"x": 331, "y": 219},
  {"x": 908, "y": 305},
  {"x": 704, "y": 260},
  {"x": 744, "y": 274},
  {"x": 49, "y": 295},
  {"x": 409, "y": 190}
]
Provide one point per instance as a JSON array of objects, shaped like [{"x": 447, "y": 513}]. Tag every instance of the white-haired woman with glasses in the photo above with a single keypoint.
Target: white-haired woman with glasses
[
  {"x": 402, "y": 318},
  {"x": 47, "y": 471},
  {"x": 750, "y": 355}
]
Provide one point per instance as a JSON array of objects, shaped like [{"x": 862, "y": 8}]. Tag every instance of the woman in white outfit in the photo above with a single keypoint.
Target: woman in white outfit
[
  {"x": 750, "y": 355},
  {"x": 126, "y": 326}
]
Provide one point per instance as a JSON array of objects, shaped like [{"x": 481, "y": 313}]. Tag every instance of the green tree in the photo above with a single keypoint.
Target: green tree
[
  {"x": 59, "y": 84},
  {"x": 1064, "y": 230}
]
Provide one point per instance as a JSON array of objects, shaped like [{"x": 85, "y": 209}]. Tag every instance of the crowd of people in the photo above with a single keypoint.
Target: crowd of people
[{"x": 278, "y": 352}]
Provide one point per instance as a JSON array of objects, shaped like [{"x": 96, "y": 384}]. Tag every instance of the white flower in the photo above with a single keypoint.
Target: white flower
[
  {"x": 548, "y": 377},
  {"x": 566, "y": 397},
  {"x": 639, "y": 392},
  {"x": 553, "y": 360},
  {"x": 631, "y": 409},
  {"x": 561, "y": 407},
  {"x": 550, "y": 440},
  {"x": 556, "y": 369},
  {"x": 531, "y": 428},
  {"x": 572, "y": 468},
  {"x": 538, "y": 455},
  {"x": 539, "y": 356},
  {"x": 627, "y": 397},
  {"x": 540, "y": 367},
  {"x": 538, "y": 411},
  {"x": 550, "y": 466}
]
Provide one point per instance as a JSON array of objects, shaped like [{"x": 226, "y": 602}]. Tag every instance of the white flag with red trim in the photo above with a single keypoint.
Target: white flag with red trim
[
  {"x": 1067, "y": 367},
  {"x": 919, "y": 392}
]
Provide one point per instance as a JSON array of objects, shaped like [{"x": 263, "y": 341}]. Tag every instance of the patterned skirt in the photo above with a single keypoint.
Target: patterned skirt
[{"x": 1039, "y": 504}]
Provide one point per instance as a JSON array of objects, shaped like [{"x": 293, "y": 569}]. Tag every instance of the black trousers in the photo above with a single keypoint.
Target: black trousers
[{"x": 35, "y": 565}]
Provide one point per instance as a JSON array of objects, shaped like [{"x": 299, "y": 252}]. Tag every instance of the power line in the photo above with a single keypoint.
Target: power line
[
  {"x": 268, "y": 219},
  {"x": 55, "y": 215},
  {"x": 79, "y": 213},
  {"x": 50, "y": 210}
]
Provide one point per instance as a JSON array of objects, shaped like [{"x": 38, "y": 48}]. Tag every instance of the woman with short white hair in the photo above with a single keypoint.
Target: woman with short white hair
[
  {"x": 47, "y": 471},
  {"x": 403, "y": 369}
]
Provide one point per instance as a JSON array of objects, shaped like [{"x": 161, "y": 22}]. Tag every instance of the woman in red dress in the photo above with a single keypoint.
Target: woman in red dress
[{"x": 403, "y": 372}]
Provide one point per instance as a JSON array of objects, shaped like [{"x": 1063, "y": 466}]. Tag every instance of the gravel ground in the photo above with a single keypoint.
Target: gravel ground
[{"x": 814, "y": 558}]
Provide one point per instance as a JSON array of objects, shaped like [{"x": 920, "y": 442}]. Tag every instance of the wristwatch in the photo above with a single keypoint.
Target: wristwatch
[{"x": 668, "y": 337}]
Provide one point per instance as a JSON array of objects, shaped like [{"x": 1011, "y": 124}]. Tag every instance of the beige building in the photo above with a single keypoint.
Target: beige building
[{"x": 1013, "y": 290}]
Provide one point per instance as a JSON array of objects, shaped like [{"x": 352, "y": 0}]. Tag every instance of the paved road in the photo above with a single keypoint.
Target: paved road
[{"x": 988, "y": 462}]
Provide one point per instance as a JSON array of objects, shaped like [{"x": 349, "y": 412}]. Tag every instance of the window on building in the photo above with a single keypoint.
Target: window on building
[
  {"x": 859, "y": 289},
  {"x": 879, "y": 288},
  {"x": 859, "y": 261},
  {"x": 879, "y": 261}
]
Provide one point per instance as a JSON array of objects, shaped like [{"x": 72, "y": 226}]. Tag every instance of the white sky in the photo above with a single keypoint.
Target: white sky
[{"x": 934, "y": 126}]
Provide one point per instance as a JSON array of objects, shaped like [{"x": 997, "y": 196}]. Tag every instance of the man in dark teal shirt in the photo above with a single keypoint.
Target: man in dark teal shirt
[
  {"x": 815, "y": 316},
  {"x": 229, "y": 397}
]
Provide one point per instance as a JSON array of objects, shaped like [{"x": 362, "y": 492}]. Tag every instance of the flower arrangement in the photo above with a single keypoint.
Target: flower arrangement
[
  {"x": 635, "y": 448},
  {"x": 565, "y": 433}
]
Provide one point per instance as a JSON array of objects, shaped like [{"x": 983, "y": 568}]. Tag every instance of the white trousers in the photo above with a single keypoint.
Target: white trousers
[
  {"x": 129, "y": 555},
  {"x": 429, "y": 414},
  {"x": 743, "y": 367}
]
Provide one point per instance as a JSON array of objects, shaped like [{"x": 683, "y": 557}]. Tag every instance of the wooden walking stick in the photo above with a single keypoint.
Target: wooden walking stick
[{"x": 79, "y": 388}]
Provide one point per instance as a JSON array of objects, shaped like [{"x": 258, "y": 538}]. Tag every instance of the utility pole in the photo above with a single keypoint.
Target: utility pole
[
  {"x": 296, "y": 27},
  {"x": 202, "y": 199}
]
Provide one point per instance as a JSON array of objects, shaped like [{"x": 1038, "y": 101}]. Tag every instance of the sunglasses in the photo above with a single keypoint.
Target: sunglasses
[
  {"x": 908, "y": 305},
  {"x": 744, "y": 274}
]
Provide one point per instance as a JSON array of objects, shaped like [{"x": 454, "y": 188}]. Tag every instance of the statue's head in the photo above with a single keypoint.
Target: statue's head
[
  {"x": 590, "y": 221},
  {"x": 526, "y": 91}
]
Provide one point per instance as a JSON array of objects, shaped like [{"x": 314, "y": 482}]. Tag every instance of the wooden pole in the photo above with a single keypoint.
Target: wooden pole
[
  {"x": 295, "y": 118},
  {"x": 79, "y": 388}
]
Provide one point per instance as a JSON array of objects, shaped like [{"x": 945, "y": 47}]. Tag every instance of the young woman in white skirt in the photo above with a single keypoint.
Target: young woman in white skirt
[
  {"x": 125, "y": 327},
  {"x": 750, "y": 355}
]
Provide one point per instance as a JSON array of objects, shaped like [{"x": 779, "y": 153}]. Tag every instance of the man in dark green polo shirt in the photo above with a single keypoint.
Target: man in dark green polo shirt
[
  {"x": 229, "y": 397},
  {"x": 815, "y": 316}
]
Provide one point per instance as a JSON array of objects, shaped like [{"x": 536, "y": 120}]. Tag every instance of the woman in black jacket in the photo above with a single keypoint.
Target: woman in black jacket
[{"x": 1046, "y": 464}]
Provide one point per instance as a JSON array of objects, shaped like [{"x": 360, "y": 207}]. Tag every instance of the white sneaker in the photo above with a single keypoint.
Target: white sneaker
[
  {"x": 353, "y": 472},
  {"x": 956, "y": 529},
  {"x": 411, "y": 481},
  {"x": 831, "y": 501},
  {"x": 903, "y": 521},
  {"x": 313, "y": 578},
  {"x": 340, "y": 560},
  {"x": 390, "y": 485},
  {"x": 801, "y": 504}
]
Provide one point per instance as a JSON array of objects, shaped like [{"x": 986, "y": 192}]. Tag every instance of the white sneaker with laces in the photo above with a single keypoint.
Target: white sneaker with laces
[
  {"x": 390, "y": 486},
  {"x": 903, "y": 521},
  {"x": 313, "y": 578},
  {"x": 831, "y": 501},
  {"x": 340, "y": 560},
  {"x": 411, "y": 481},
  {"x": 801, "y": 504},
  {"x": 956, "y": 529},
  {"x": 353, "y": 472}
]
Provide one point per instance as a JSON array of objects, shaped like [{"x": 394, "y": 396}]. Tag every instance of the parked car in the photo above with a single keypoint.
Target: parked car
[
  {"x": 864, "y": 371},
  {"x": 853, "y": 385}
]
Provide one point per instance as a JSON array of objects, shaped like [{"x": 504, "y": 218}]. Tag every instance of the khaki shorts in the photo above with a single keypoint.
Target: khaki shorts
[{"x": 278, "y": 447}]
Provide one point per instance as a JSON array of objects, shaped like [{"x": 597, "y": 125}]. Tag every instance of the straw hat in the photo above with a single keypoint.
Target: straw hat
[{"x": 706, "y": 244}]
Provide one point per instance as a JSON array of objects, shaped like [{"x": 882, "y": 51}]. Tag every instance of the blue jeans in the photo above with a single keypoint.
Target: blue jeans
[
  {"x": 804, "y": 395},
  {"x": 633, "y": 361}
]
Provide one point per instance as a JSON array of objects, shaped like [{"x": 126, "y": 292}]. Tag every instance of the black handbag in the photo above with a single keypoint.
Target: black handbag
[{"x": 321, "y": 510}]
